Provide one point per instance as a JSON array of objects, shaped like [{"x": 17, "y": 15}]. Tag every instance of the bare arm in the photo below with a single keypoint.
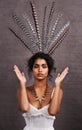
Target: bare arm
[
  {"x": 57, "y": 96},
  {"x": 22, "y": 93}
]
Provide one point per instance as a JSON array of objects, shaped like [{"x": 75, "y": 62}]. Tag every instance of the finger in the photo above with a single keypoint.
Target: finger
[
  {"x": 23, "y": 74},
  {"x": 66, "y": 69},
  {"x": 58, "y": 74},
  {"x": 15, "y": 66},
  {"x": 16, "y": 69},
  {"x": 65, "y": 72}
]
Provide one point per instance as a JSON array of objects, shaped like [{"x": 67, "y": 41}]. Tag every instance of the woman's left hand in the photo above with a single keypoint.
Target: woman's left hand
[{"x": 61, "y": 77}]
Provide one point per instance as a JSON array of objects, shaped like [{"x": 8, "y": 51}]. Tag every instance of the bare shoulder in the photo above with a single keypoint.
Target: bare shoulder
[{"x": 28, "y": 90}]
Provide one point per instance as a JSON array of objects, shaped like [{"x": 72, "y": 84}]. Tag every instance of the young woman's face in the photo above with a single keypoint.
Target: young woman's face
[{"x": 40, "y": 69}]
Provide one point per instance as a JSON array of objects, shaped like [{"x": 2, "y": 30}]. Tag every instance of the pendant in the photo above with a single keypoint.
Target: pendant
[{"x": 40, "y": 100}]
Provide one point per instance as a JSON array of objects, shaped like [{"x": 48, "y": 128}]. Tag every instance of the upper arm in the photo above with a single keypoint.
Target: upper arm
[{"x": 23, "y": 103}]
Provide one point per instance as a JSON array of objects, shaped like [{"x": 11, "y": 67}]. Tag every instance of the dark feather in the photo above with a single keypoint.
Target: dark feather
[
  {"x": 56, "y": 37},
  {"x": 26, "y": 33},
  {"x": 58, "y": 42},
  {"x": 21, "y": 40},
  {"x": 54, "y": 28},
  {"x": 36, "y": 24},
  {"x": 43, "y": 30},
  {"x": 25, "y": 16},
  {"x": 49, "y": 20}
]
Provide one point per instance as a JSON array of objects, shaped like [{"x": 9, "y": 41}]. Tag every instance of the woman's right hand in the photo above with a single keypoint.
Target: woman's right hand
[{"x": 20, "y": 75}]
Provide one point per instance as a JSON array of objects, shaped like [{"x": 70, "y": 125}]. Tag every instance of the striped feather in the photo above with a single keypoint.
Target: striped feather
[
  {"x": 36, "y": 25},
  {"x": 52, "y": 34},
  {"x": 54, "y": 27},
  {"x": 22, "y": 40},
  {"x": 43, "y": 29},
  {"x": 49, "y": 40},
  {"x": 49, "y": 19},
  {"x": 26, "y": 33},
  {"x": 58, "y": 41},
  {"x": 31, "y": 28},
  {"x": 55, "y": 38}
]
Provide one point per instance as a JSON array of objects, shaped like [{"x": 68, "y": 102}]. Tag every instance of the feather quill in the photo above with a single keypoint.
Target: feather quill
[
  {"x": 25, "y": 16},
  {"x": 36, "y": 24},
  {"x": 43, "y": 29},
  {"x": 49, "y": 40},
  {"x": 49, "y": 19},
  {"x": 58, "y": 43},
  {"x": 20, "y": 38},
  {"x": 26, "y": 32},
  {"x": 55, "y": 38},
  {"x": 59, "y": 37},
  {"x": 52, "y": 34}
]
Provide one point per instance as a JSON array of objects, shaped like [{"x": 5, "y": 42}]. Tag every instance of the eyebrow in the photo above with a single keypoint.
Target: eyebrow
[{"x": 41, "y": 64}]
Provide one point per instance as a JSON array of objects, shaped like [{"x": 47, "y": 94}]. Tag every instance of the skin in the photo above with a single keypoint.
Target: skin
[{"x": 40, "y": 73}]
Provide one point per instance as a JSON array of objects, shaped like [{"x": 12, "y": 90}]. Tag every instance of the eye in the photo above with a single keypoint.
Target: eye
[
  {"x": 35, "y": 66},
  {"x": 44, "y": 66}
]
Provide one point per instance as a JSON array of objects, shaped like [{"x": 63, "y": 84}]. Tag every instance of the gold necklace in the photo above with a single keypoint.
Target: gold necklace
[{"x": 40, "y": 100}]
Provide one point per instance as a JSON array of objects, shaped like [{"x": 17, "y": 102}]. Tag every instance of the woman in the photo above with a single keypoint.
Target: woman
[{"x": 40, "y": 102}]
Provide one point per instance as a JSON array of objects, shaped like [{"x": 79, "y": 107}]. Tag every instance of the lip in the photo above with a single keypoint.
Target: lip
[{"x": 40, "y": 75}]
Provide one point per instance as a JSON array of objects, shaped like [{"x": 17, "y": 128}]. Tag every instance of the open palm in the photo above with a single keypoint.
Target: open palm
[
  {"x": 61, "y": 77},
  {"x": 20, "y": 75}
]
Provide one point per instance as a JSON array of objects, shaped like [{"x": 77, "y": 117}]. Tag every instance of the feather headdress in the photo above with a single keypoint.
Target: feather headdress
[{"x": 27, "y": 29}]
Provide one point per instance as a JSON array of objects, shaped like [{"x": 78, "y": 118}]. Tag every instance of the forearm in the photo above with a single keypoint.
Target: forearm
[
  {"x": 22, "y": 98},
  {"x": 57, "y": 97},
  {"x": 56, "y": 100}
]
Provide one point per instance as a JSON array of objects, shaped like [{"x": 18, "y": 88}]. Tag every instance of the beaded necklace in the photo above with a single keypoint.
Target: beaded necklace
[{"x": 40, "y": 100}]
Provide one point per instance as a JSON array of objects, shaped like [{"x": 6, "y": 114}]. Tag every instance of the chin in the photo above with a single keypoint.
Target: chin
[
  {"x": 37, "y": 77},
  {"x": 41, "y": 78}
]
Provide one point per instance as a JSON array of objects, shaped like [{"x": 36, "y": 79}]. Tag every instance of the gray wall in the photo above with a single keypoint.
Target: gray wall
[{"x": 68, "y": 54}]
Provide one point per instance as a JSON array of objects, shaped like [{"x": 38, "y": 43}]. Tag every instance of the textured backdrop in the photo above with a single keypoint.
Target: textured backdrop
[{"x": 68, "y": 54}]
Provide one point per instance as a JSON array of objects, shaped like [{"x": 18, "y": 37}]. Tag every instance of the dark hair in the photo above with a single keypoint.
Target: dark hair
[{"x": 46, "y": 57}]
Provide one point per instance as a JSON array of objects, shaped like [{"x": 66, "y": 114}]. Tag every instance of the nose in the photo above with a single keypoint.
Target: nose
[{"x": 40, "y": 69}]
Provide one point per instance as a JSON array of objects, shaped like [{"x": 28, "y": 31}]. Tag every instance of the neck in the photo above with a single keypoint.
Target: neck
[{"x": 40, "y": 84}]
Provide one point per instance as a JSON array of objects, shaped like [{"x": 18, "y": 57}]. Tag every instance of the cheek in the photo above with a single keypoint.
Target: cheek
[
  {"x": 34, "y": 71},
  {"x": 46, "y": 71}
]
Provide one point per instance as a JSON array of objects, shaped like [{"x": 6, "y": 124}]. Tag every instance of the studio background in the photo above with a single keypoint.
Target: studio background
[{"x": 69, "y": 53}]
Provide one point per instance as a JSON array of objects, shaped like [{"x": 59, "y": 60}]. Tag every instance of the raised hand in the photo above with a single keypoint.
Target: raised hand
[
  {"x": 61, "y": 77},
  {"x": 20, "y": 75}
]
